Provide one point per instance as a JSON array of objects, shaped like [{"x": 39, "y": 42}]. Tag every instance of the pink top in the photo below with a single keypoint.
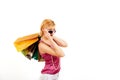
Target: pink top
[{"x": 52, "y": 64}]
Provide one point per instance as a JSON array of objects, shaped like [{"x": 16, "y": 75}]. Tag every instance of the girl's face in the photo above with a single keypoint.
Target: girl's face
[{"x": 51, "y": 30}]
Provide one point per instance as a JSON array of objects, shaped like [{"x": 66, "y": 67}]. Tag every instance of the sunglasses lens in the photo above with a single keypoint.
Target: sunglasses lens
[{"x": 50, "y": 32}]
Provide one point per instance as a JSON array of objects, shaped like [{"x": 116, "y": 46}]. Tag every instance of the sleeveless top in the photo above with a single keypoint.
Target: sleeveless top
[{"x": 52, "y": 64}]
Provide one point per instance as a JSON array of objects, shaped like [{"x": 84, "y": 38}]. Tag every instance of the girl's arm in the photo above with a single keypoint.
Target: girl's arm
[
  {"x": 52, "y": 49},
  {"x": 49, "y": 46},
  {"x": 60, "y": 42}
]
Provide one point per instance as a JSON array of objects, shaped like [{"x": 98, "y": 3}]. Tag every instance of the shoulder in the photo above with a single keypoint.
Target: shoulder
[{"x": 43, "y": 47}]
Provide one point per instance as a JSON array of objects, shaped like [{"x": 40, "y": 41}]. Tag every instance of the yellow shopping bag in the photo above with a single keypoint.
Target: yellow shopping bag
[
  {"x": 28, "y": 46},
  {"x": 25, "y": 41}
]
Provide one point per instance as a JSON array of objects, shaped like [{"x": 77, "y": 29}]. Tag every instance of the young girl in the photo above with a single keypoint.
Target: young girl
[{"x": 50, "y": 50}]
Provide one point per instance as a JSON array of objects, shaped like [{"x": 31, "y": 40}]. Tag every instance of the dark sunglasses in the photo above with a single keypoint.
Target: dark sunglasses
[{"x": 51, "y": 31}]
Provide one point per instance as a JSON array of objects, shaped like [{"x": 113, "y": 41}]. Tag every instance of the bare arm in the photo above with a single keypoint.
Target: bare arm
[
  {"x": 60, "y": 42},
  {"x": 49, "y": 46},
  {"x": 54, "y": 50}
]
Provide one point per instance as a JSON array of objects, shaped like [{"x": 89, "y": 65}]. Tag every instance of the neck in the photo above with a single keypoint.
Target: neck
[{"x": 44, "y": 38}]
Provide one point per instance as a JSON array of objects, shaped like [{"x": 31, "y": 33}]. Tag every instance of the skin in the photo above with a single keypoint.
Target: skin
[{"x": 51, "y": 44}]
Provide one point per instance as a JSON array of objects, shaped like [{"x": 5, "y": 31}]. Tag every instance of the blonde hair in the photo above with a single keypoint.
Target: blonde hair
[{"x": 46, "y": 23}]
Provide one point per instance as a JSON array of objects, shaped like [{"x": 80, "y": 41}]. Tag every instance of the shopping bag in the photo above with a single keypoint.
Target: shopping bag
[
  {"x": 23, "y": 42},
  {"x": 32, "y": 52},
  {"x": 28, "y": 46}
]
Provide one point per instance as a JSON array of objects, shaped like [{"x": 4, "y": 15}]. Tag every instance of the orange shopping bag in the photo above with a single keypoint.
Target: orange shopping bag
[
  {"x": 28, "y": 46},
  {"x": 25, "y": 41}
]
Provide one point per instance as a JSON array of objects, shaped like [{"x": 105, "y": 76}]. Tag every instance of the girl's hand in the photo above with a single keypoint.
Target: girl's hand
[{"x": 47, "y": 35}]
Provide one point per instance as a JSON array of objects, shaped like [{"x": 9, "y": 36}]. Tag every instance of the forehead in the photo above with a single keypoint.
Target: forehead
[{"x": 50, "y": 27}]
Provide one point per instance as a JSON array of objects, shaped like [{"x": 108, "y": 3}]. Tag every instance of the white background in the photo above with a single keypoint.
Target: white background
[{"x": 91, "y": 28}]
